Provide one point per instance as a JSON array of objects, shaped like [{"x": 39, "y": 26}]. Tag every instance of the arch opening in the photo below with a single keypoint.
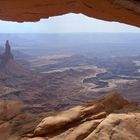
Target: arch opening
[{"x": 61, "y": 62}]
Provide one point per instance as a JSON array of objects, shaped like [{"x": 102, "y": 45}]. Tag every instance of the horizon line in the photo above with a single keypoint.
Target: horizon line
[{"x": 62, "y": 32}]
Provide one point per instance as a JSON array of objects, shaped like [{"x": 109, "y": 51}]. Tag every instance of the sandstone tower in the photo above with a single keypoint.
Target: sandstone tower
[{"x": 7, "y": 55}]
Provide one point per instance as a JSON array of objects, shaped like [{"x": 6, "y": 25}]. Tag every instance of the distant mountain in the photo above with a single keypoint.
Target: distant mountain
[
  {"x": 6, "y": 56},
  {"x": 96, "y": 44},
  {"x": 8, "y": 66}
]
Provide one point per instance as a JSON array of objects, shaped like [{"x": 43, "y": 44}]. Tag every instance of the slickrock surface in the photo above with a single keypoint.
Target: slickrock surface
[{"x": 109, "y": 118}]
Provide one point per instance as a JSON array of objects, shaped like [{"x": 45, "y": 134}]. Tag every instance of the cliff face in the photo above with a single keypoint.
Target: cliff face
[
  {"x": 7, "y": 55},
  {"x": 126, "y": 11}
]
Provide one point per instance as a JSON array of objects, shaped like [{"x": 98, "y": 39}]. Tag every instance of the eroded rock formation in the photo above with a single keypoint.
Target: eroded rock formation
[
  {"x": 8, "y": 66},
  {"x": 108, "y": 118},
  {"x": 7, "y": 55},
  {"x": 126, "y": 11}
]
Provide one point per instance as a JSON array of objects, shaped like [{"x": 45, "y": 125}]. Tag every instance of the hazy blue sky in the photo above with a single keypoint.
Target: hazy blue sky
[{"x": 66, "y": 23}]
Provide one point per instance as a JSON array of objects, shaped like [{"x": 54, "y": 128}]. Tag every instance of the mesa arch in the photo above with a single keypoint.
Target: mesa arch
[{"x": 125, "y": 11}]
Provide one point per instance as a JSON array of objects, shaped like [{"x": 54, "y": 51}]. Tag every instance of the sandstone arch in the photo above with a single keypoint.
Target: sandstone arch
[{"x": 125, "y": 11}]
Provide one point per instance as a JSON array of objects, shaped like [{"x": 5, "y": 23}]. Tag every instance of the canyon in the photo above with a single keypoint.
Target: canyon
[
  {"x": 55, "y": 101},
  {"x": 52, "y": 91}
]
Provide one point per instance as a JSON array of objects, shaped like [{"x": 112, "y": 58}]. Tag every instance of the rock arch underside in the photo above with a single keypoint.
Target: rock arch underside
[{"x": 125, "y": 11}]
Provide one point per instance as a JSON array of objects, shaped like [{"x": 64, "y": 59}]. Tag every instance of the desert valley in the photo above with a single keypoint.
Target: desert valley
[
  {"x": 74, "y": 91},
  {"x": 70, "y": 70}
]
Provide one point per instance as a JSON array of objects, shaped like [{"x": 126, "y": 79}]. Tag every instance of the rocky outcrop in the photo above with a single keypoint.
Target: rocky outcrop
[
  {"x": 108, "y": 118},
  {"x": 126, "y": 11},
  {"x": 9, "y": 109},
  {"x": 118, "y": 126},
  {"x": 7, "y": 55},
  {"x": 10, "y": 67}
]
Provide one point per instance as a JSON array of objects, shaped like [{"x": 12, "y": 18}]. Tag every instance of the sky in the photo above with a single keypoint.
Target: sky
[{"x": 68, "y": 23}]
